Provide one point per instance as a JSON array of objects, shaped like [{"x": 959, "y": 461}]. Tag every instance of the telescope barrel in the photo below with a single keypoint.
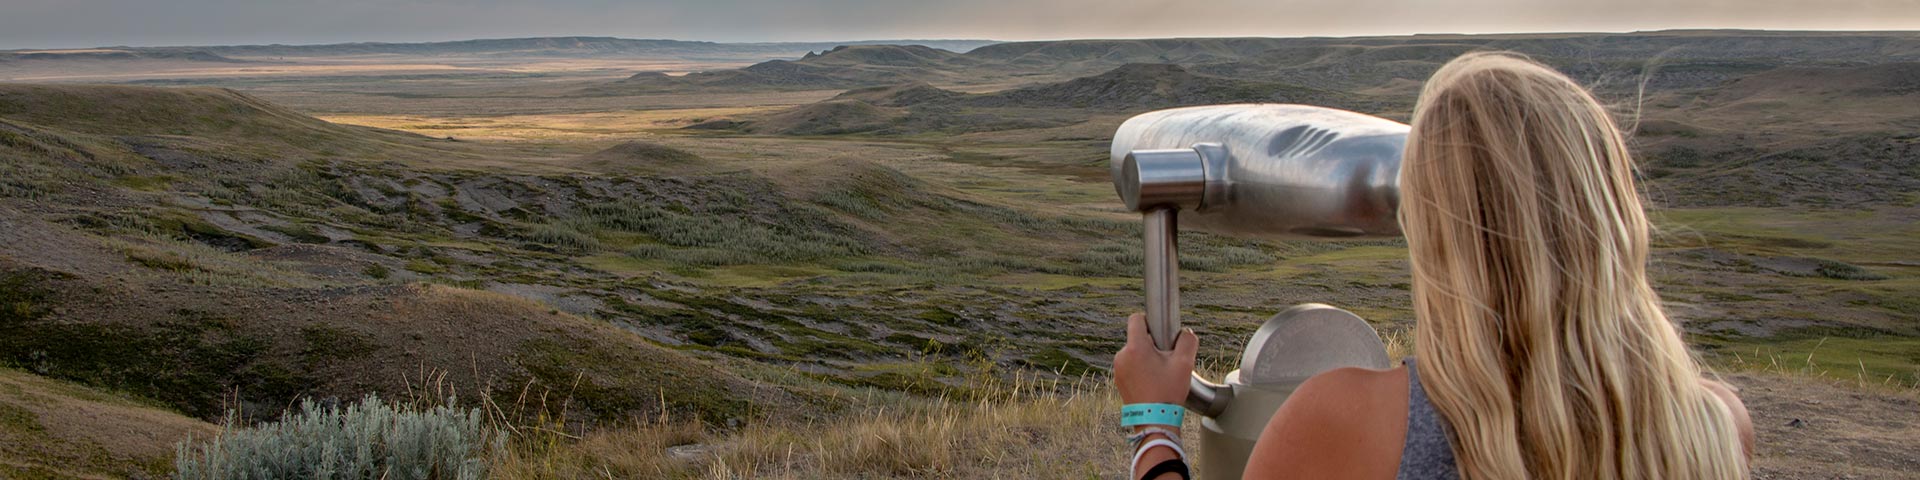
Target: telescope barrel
[{"x": 1270, "y": 170}]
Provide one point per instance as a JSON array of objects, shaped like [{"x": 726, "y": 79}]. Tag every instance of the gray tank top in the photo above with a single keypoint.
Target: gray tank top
[{"x": 1428, "y": 454}]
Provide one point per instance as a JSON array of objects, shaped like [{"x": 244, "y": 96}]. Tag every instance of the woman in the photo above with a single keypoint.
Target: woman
[{"x": 1540, "y": 348}]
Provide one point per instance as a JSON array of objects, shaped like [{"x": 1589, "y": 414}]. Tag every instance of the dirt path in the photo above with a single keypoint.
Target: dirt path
[{"x": 1812, "y": 429}]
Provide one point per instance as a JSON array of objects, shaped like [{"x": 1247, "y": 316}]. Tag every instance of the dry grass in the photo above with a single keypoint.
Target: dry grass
[
  {"x": 55, "y": 429},
  {"x": 1032, "y": 429},
  {"x": 1026, "y": 428}
]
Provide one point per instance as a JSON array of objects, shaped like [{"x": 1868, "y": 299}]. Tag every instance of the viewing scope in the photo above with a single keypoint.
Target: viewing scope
[{"x": 1259, "y": 171}]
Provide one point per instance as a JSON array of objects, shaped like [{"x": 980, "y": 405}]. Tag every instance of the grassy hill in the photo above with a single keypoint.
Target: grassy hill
[
  {"x": 255, "y": 250},
  {"x": 840, "y": 67},
  {"x": 1346, "y": 64},
  {"x": 587, "y": 47},
  {"x": 55, "y": 429},
  {"x": 933, "y": 260},
  {"x": 176, "y": 273},
  {"x": 918, "y": 108}
]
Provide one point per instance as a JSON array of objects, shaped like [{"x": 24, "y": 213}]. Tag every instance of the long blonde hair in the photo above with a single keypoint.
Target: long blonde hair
[{"x": 1540, "y": 339}]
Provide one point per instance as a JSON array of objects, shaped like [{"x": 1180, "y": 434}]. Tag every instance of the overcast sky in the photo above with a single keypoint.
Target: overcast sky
[{"x": 83, "y": 23}]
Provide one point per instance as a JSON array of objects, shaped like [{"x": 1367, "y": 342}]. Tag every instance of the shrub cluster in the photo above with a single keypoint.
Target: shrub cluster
[{"x": 366, "y": 440}]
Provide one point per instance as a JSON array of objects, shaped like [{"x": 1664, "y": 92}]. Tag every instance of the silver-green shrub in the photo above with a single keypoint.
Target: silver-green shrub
[{"x": 366, "y": 440}]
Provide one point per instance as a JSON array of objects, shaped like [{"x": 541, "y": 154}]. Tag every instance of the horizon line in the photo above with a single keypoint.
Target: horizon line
[{"x": 993, "y": 41}]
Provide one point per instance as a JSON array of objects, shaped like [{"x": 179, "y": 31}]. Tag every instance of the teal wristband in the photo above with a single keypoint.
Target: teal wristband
[{"x": 1137, "y": 414}]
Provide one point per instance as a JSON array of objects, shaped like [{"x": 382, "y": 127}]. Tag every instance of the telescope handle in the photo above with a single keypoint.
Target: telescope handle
[
  {"x": 1163, "y": 304},
  {"x": 1162, "y": 276}
]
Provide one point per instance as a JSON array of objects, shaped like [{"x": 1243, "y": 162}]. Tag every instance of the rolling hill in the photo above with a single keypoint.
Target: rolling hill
[
  {"x": 918, "y": 107},
  {"x": 219, "y": 244},
  {"x": 1347, "y": 64},
  {"x": 581, "y": 47},
  {"x": 199, "y": 246},
  {"x": 939, "y": 229}
]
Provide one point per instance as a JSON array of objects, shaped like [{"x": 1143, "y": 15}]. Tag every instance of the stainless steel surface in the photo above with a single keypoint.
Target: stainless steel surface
[
  {"x": 1162, "y": 276},
  {"x": 1208, "y": 398},
  {"x": 1290, "y": 347},
  {"x": 1307, "y": 339},
  {"x": 1173, "y": 178},
  {"x": 1281, "y": 171}
]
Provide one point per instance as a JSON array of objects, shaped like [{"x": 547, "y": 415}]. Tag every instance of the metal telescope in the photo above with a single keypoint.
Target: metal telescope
[{"x": 1264, "y": 171}]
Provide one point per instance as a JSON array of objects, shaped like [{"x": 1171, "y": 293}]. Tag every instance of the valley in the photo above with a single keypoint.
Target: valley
[{"x": 610, "y": 245}]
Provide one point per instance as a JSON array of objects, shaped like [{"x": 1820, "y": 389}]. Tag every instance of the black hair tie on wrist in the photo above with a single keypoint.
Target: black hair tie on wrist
[{"x": 1175, "y": 465}]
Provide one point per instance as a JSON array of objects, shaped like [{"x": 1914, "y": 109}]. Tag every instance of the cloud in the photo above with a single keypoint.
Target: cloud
[{"x": 77, "y": 23}]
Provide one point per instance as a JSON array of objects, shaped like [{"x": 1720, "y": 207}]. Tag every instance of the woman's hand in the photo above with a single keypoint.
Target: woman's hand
[{"x": 1144, "y": 374}]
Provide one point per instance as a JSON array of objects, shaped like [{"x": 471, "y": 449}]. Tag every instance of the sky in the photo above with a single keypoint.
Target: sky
[{"x": 89, "y": 23}]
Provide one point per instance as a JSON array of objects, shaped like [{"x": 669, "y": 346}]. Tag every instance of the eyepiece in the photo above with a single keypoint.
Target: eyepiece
[{"x": 1172, "y": 178}]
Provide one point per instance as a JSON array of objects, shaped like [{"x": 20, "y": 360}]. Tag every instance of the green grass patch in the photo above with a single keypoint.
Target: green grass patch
[
  {"x": 424, "y": 266},
  {"x": 1859, "y": 355}
]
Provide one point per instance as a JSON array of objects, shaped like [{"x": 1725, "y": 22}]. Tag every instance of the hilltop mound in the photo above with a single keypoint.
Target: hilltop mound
[
  {"x": 887, "y": 55},
  {"x": 1142, "y": 85},
  {"x": 645, "y": 76},
  {"x": 841, "y": 67},
  {"x": 785, "y": 74},
  {"x": 640, "y": 155},
  {"x": 825, "y": 118},
  {"x": 863, "y": 189},
  {"x": 237, "y": 123},
  {"x": 1093, "y": 53},
  {"x": 846, "y": 177},
  {"x": 901, "y": 95},
  {"x": 126, "y": 110},
  {"x": 1134, "y": 84}
]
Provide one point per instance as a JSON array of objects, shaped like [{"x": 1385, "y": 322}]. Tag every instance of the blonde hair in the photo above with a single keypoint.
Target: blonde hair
[{"x": 1540, "y": 339}]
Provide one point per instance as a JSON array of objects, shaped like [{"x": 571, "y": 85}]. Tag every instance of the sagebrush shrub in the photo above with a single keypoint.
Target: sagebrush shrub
[{"x": 366, "y": 440}]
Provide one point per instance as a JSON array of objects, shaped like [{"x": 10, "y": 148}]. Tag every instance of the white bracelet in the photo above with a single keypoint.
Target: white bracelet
[
  {"x": 1133, "y": 441},
  {"x": 1133, "y": 469}
]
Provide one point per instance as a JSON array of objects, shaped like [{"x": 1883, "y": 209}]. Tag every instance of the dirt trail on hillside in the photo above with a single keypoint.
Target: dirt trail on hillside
[{"x": 1809, "y": 428}]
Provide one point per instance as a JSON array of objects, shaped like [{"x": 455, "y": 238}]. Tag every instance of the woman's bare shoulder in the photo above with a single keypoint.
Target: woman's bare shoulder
[
  {"x": 1731, "y": 397},
  {"x": 1351, "y": 386},
  {"x": 1343, "y": 423}
]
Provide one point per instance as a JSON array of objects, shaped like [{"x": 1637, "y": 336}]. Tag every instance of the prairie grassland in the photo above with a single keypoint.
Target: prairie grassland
[
  {"x": 1016, "y": 428},
  {"x": 1072, "y": 435},
  {"x": 377, "y": 65},
  {"x": 992, "y": 426},
  {"x": 1060, "y": 172},
  {"x": 510, "y": 94},
  {"x": 567, "y": 127},
  {"x": 55, "y": 429},
  {"x": 1051, "y": 429}
]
